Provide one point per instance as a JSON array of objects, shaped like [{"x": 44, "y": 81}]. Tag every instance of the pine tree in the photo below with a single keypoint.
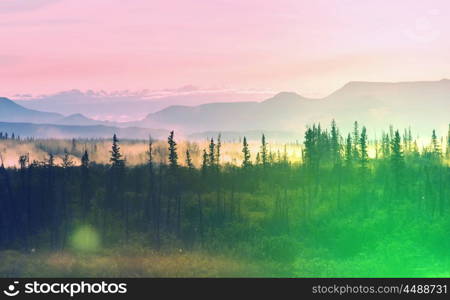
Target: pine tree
[
  {"x": 386, "y": 145},
  {"x": 258, "y": 159},
  {"x": 116, "y": 156},
  {"x": 218, "y": 149},
  {"x": 151, "y": 200},
  {"x": 310, "y": 146},
  {"x": 174, "y": 190},
  {"x": 204, "y": 162},
  {"x": 245, "y": 150},
  {"x": 348, "y": 150},
  {"x": 85, "y": 185},
  {"x": 435, "y": 147},
  {"x": 447, "y": 149},
  {"x": 67, "y": 160},
  {"x": 355, "y": 149},
  {"x": 212, "y": 153},
  {"x": 396, "y": 151},
  {"x": 85, "y": 159},
  {"x": 173, "y": 155},
  {"x": 264, "y": 154},
  {"x": 364, "y": 158},
  {"x": 74, "y": 146},
  {"x": 335, "y": 148},
  {"x": 189, "y": 163}
]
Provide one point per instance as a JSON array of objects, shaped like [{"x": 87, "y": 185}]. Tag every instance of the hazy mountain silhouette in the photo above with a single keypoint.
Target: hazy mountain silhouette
[
  {"x": 126, "y": 105},
  {"x": 78, "y": 119},
  {"x": 275, "y": 113},
  {"x": 12, "y": 112},
  {"x": 423, "y": 104},
  {"x": 71, "y": 131}
]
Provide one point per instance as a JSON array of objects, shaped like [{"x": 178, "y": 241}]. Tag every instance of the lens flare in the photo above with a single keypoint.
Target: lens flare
[{"x": 85, "y": 239}]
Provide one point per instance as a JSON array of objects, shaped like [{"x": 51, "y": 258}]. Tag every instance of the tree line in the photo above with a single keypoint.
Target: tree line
[{"x": 266, "y": 197}]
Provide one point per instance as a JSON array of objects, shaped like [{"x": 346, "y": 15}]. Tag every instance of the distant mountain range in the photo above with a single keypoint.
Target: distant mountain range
[
  {"x": 32, "y": 123},
  {"x": 422, "y": 105},
  {"x": 126, "y": 106},
  {"x": 52, "y": 131}
]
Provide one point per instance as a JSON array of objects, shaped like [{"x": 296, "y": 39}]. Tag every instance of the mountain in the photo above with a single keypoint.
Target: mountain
[
  {"x": 12, "y": 112},
  {"x": 126, "y": 106},
  {"x": 423, "y": 105},
  {"x": 69, "y": 131},
  {"x": 77, "y": 119},
  {"x": 275, "y": 114}
]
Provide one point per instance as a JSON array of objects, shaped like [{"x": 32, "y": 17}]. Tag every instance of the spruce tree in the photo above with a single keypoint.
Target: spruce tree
[
  {"x": 189, "y": 163},
  {"x": 264, "y": 154},
  {"x": 218, "y": 149},
  {"x": 212, "y": 153},
  {"x": 173, "y": 155},
  {"x": 67, "y": 161},
  {"x": 363, "y": 157},
  {"x": 85, "y": 159},
  {"x": 335, "y": 148},
  {"x": 309, "y": 146},
  {"x": 396, "y": 151},
  {"x": 355, "y": 150},
  {"x": 245, "y": 150},
  {"x": 447, "y": 149},
  {"x": 435, "y": 147},
  {"x": 116, "y": 156},
  {"x": 204, "y": 162},
  {"x": 348, "y": 150}
]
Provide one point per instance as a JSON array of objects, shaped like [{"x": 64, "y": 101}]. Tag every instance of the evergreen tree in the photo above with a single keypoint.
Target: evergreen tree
[
  {"x": 85, "y": 159},
  {"x": 173, "y": 155},
  {"x": 218, "y": 148},
  {"x": 258, "y": 159},
  {"x": 85, "y": 185},
  {"x": 310, "y": 151},
  {"x": 116, "y": 156},
  {"x": 396, "y": 151},
  {"x": 246, "y": 151},
  {"x": 348, "y": 150},
  {"x": 355, "y": 150},
  {"x": 447, "y": 149},
  {"x": 189, "y": 163},
  {"x": 204, "y": 161},
  {"x": 385, "y": 145},
  {"x": 212, "y": 153},
  {"x": 334, "y": 141},
  {"x": 364, "y": 158},
  {"x": 435, "y": 147},
  {"x": 264, "y": 152},
  {"x": 67, "y": 160}
]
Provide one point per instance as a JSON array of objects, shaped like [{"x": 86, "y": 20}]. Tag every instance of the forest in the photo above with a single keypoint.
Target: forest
[{"x": 348, "y": 205}]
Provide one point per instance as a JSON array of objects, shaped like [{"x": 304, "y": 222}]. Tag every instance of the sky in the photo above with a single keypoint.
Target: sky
[{"x": 311, "y": 47}]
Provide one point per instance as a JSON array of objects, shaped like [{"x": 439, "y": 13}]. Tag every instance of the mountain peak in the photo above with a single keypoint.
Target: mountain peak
[
  {"x": 6, "y": 100},
  {"x": 76, "y": 116},
  {"x": 285, "y": 97}
]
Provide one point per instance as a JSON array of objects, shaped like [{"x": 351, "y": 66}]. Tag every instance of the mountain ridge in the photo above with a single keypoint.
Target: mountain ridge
[{"x": 375, "y": 104}]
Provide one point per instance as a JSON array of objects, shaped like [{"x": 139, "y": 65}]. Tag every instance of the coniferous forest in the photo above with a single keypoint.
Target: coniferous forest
[{"x": 353, "y": 205}]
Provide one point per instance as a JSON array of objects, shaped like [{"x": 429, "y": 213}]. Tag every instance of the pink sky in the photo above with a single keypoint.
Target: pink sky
[{"x": 311, "y": 47}]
